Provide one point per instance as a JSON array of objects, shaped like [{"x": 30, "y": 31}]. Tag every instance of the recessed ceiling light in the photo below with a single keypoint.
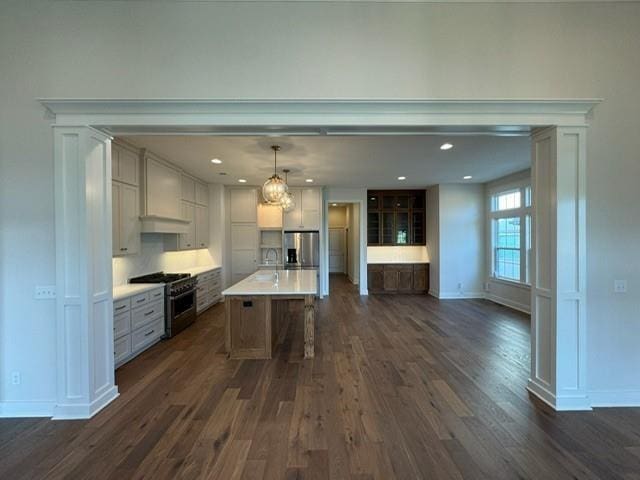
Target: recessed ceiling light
[
  {"x": 467, "y": 177},
  {"x": 446, "y": 146},
  {"x": 217, "y": 161},
  {"x": 334, "y": 204},
  {"x": 242, "y": 180},
  {"x": 402, "y": 178},
  {"x": 309, "y": 180}
]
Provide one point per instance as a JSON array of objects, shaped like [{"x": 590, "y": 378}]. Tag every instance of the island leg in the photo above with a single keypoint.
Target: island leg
[{"x": 309, "y": 325}]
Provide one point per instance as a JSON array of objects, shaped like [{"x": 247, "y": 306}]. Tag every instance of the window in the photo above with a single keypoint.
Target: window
[{"x": 511, "y": 233}]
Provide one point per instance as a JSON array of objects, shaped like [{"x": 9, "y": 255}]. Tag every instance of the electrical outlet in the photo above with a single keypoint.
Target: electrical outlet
[
  {"x": 620, "y": 286},
  {"x": 44, "y": 292},
  {"x": 15, "y": 378},
  {"x": 459, "y": 285}
]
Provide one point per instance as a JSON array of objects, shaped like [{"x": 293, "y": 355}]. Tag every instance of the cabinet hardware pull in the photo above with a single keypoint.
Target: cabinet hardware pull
[
  {"x": 149, "y": 313},
  {"x": 148, "y": 333},
  {"x": 121, "y": 307},
  {"x": 140, "y": 301}
]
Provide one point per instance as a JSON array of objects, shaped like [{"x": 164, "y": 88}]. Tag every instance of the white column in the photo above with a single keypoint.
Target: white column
[
  {"x": 84, "y": 306},
  {"x": 558, "y": 303}
]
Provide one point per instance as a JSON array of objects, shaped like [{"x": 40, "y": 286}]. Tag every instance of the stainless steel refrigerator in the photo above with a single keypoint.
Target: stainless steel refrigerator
[{"x": 301, "y": 250}]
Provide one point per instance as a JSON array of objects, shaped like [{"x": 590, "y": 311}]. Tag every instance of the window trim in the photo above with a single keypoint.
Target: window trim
[{"x": 522, "y": 212}]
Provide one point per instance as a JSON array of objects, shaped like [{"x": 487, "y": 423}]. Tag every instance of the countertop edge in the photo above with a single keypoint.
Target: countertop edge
[{"x": 129, "y": 289}]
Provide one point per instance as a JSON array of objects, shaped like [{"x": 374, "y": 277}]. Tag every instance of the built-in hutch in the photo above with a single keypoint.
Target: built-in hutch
[{"x": 396, "y": 217}]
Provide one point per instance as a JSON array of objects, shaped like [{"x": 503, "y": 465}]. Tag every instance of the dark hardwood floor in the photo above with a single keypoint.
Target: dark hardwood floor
[{"x": 401, "y": 387}]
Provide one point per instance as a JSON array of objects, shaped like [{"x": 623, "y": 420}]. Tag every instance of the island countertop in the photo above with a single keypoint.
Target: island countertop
[{"x": 290, "y": 282}]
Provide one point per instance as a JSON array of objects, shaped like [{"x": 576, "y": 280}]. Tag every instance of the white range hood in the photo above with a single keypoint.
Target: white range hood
[{"x": 156, "y": 224}]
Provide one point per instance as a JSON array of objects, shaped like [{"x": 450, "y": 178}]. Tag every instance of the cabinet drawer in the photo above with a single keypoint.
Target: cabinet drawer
[
  {"x": 143, "y": 315},
  {"x": 121, "y": 349},
  {"x": 156, "y": 295},
  {"x": 121, "y": 324},
  {"x": 145, "y": 336},
  {"x": 121, "y": 306},
  {"x": 140, "y": 299}
]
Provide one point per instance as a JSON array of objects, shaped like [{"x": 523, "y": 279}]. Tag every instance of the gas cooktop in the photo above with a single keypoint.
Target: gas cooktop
[{"x": 160, "y": 277}]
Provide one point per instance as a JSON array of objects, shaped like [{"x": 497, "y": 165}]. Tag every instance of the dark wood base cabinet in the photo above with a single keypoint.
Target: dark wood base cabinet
[{"x": 398, "y": 277}]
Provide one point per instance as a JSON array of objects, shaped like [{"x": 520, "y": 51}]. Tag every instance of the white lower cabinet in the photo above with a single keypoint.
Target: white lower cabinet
[
  {"x": 209, "y": 289},
  {"x": 138, "y": 323}
]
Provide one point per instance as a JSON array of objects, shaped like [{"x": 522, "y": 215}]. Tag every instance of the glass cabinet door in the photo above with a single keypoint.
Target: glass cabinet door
[
  {"x": 387, "y": 228},
  {"x": 373, "y": 228},
  {"x": 402, "y": 228},
  {"x": 417, "y": 228}
]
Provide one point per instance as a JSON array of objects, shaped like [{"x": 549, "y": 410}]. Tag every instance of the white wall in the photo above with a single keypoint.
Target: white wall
[
  {"x": 337, "y": 217},
  {"x": 172, "y": 50},
  {"x": 513, "y": 295},
  {"x": 462, "y": 241}
]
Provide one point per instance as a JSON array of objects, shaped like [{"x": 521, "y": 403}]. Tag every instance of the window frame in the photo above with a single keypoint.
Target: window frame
[{"x": 525, "y": 213}]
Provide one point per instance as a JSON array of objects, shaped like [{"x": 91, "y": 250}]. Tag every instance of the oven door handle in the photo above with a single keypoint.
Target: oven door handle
[{"x": 182, "y": 294}]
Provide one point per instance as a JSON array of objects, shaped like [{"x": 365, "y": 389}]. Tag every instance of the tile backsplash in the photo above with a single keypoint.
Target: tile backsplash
[
  {"x": 153, "y": 258},
  {"x": 397, "y": 254}
]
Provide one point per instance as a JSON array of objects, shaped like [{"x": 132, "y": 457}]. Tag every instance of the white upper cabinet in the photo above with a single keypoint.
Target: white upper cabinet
[
  {"x": 188, "y": 189},
  {"x": 188, "y": 240},
  {"x": 163, "y": 189},
  {"x": 244, "y": 206},
  {"x": 124, "y": 164},
  {"x": 306, "y": 214},
  {"x": 202, "y": 226},
  {"x": 125, "y": 217},
  {"x": 202, "y": 193}
]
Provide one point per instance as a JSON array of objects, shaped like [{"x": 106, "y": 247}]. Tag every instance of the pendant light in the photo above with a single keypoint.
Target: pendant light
[
  {"x": 274, "y": 188},
  {"x": 287, "y": 203}
]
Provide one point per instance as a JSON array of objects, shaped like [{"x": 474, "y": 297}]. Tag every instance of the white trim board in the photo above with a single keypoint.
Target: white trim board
[
  {"x": 508, "y": 303},
  {"x": 334, "y": 116},
  {"x": 460, "y": 295}
]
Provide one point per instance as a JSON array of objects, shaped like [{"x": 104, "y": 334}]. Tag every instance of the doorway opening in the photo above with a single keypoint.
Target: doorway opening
[{"x": 344, "y": 243}]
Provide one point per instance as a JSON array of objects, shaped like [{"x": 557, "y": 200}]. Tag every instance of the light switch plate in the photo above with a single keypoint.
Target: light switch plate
[
  {"x": 620, "y": 286},
  {"x": 44, "y": 292}
]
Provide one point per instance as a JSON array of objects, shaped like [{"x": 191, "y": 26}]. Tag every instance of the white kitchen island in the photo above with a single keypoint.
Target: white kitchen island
[{"x": 255, "y": 310}]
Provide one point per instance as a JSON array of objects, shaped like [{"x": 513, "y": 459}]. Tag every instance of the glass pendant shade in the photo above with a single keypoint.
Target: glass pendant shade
[
  {"x": 287, "y": 202},
  {"x": 274, "y": 189}
]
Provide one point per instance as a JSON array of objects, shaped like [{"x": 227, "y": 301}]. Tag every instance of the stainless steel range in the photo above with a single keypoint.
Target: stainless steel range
[{"x": 180, "y": 299}]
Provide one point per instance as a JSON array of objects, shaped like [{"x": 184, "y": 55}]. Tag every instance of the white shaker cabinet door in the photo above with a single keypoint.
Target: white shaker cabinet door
[
  {"x": 202, "y": 226},
  {"x": 244, "y": 206},
  {"x": 115, "y": 219},
  {"x": 129, "y": 228},
  {"x": 188, "y": 189},
  {"x": 188, "y": 240},
  {"x": 293, "y": 219},
  {"x": 202, "y": 194}
]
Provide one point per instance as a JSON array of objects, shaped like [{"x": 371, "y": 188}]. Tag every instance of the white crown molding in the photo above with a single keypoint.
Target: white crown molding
[{"x": 334, "y": 116}]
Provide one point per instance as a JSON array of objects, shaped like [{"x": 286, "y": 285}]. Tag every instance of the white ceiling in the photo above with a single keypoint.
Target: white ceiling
[{"x": 345, "y": 161}]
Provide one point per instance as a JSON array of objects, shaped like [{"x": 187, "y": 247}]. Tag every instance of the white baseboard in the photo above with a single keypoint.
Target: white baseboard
[
  {"x": 460, "y": 295},
  {"x": 84, "y": 410},
  {"x": 508, "y": 303},
  {"x": 26, "y": 409},
  {"x": 615, "y": 398}
]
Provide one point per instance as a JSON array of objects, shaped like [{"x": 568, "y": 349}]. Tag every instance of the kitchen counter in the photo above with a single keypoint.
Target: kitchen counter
[
  {"x": 198, "y": 270},
  {"x": 290, "y": 282},
  {"x": 129, "y": 289}
]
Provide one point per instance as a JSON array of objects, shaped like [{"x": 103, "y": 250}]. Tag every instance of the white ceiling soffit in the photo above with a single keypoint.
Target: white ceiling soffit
[{"x": 343, "y": 116}]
